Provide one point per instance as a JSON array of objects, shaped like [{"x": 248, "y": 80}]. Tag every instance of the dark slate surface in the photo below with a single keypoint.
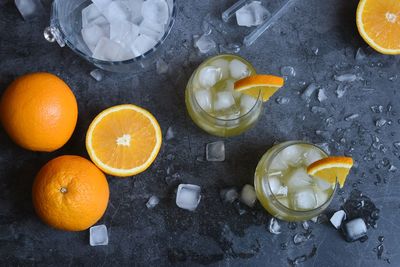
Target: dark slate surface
[{"x": 214, "y": 234}]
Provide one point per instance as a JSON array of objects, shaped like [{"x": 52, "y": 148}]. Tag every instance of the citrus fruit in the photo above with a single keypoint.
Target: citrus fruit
[
  {"x": 123, "y": 140},
  {"x": 254, "y": 85},
  {"x": 70, "y": 193},
  {"x": 331, "y": 169},
  {"x": 378, "y": 22},
  {"x": 39, "y": 112}
]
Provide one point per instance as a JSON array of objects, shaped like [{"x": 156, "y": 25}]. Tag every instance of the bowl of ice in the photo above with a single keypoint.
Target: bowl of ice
[{"x": 114, "y": 35}]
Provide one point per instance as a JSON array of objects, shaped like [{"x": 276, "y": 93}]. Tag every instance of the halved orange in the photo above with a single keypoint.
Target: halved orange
[
  {"x": 254, "y": 85},
  {"x": 123, "y": 140},
  {"x": 331, "y": 169},
  {"x": 378, "y": 22}
]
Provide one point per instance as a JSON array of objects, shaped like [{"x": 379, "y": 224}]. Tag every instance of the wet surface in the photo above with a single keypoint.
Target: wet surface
[{"x": 357, "y": 115}]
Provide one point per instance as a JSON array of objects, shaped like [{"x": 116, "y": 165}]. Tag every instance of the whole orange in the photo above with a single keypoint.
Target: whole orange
[
  {"x": 70, "y": 193},
  {"x": 39, "y": 111}
]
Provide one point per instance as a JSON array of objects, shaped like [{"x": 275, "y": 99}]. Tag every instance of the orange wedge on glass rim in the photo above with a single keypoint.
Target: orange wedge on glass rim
[
  {"x": 123, "y": 140},
  {"x": 331, "y": 169},
  {"x": 263, "y": 84},
  {"x": 378, "y": 22}
]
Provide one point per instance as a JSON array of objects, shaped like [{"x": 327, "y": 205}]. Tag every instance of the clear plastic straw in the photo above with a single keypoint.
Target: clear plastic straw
[
  {"x": 254, "y": 35},
  {"x": 227, "y": 14}
]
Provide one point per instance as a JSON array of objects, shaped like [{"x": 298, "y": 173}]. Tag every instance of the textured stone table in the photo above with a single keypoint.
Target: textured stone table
[{"x": 214, "y": 234}]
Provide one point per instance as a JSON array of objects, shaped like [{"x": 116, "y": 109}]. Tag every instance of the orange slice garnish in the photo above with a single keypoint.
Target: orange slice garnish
[
  {"x": 254, "y": 85},
  {"x": 331, "y": 169},
  {"x": 378, "y": 22},
  {"x": 123, "y": 140}
]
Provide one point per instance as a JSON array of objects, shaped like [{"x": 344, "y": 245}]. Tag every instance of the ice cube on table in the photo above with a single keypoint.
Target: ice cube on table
[
  {"x": 98, "y": 235},
  {"x": 224, "y": 101},
  {"x": 274, "y": 227},
  {"x": 288, "y": 71},
  {"x": 298, "y": 178},
  {"x": 311, "y": 156},
  {"x": 142, "y": 44},
  {"x": 205, "y": 44},
  {"x": 152, "y": 29},
  {"x": 156, "y": 11},
  {"x": 111, "y": 51},
  {"x": 247, "y": 103},
  {"x": 306, "y": 95},
  {"x": 215, "y": 151},
  {"x": 204, "y": 99},
  {"x": 223, "y": 65},
  {"x": 354, "y": 229},
  {"x": 116, "y": 11},
  {"x": 29, "y": 8},
  {"x": 337, "y": 218},
  {"x": 238, "y": 69},
  {"x": 92, "y": 34},
  {"x": 97, "y": 74},
  {"x": 188, "y": 196},
  {"x": 209, "y": 76},
  {"x": 90, "y": 14},
  {"x": 101, "y": 4},
  {"x": 123, "y": 32},
  {"x": 348, "y": 77},
  {"x": 252, "y": 14},
  {"x": 322, "y": 95},
  {"x": 229, "y": 195},
  {"x": 248, "y": 195},
  {"x": 304, "y": 199},
  {"x": 152, "y": 202},
  {"x": 170, "y": 134},
  {"x": 340, "y": 90},
  {"x": 292, "y": 155}
]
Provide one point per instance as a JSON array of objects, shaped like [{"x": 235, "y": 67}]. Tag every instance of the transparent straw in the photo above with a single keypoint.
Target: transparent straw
[
  {"x": 227, "y": 14},
  {"x": 254, "y": 35}
]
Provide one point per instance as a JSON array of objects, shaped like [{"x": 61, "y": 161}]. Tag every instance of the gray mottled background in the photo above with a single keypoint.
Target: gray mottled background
[{"x": 214, "y": 234}]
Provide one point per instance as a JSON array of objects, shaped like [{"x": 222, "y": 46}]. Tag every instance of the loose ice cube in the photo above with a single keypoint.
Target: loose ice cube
[
  {"x": 170, "y": 134},
  {"x": 301, "y": 237},
  {"x": 152, "y": 202},
  {"x": 151, "y": 29},
  {"x": 90, "y": 14},
  {"x": 116, "y": 11},
  {"x": 98, "y": 235},
  {"x": 111, "y": 51},
  {"x": 224, "y": 101},
  {"x": 29, "y": 8},
  {"x": 252, "y": 14},
  {"x": 247, "y": 103},
  {"x": 156, "y": 11},
  {"x": 322, "y": 95},
  {"x": 292, "y": 154},
  {"x": 215, "y": 151},
  {"x": 360, "y": 54},
  {"x": 209, "y": 76},
  {"x": 340, "y": 90},
  {"x": 354, "y": 229},
  {"x": 238, "y": 69},
  {"x": 274, "y": 227},
  {"x": 203, "y": 98},
  {"x": 188, "y": 196},
  {"x": 101, "y": 4},
  {"x": 298, "y": 178},
  {"x": 248, "y": 195},
  {"x": 92, "y": 35},
  {"x": 345, "y": 77},
  {"x": 281, "y": 100},
  {"x": 304, "y": 199},
  {"x": 97, "y": 74},
  {"x": 205, "y": 44},
  {"x": 288, "y": 71},
  {"x": 337, "y": 218},
  {"x": 223, "y": 65},
  {"x": 142, "y": 44},
  {"x": 161, "y": 66},
  {"x": 306, "y": 95},
  {"x": 123, "y": 32},
  {"x": 229, "y": 195}
]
